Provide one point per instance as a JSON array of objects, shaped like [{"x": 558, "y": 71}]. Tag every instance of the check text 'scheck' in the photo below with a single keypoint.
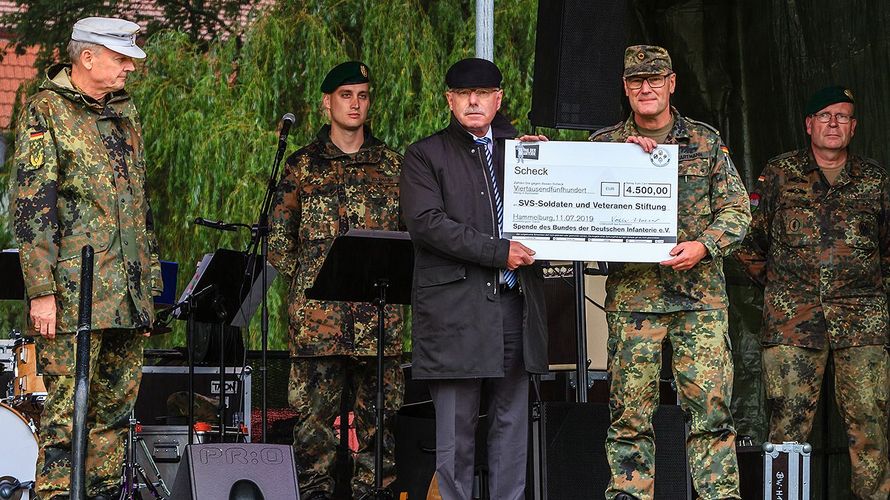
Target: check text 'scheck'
[{"x": 591, "y": 201}]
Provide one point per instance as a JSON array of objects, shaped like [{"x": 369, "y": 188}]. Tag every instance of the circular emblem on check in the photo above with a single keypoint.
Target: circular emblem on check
[{"x": 660, "y": 157}]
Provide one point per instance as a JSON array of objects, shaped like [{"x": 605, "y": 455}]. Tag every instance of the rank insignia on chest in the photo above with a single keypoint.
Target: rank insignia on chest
[{"x": 35, "y": 148}]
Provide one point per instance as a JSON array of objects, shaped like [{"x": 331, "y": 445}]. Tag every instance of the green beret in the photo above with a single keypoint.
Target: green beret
[
  {"x": 345, "y": 74},
  {"x": 646, "y": 60},
  {"x": 827, "y": 97}
]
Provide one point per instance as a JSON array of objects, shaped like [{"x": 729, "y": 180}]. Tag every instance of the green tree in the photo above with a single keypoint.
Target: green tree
[
  {"x": 210, "y": 110},
  {"x": 47, "y": 23}
]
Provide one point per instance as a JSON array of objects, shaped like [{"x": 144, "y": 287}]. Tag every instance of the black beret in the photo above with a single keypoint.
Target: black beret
[
  {"x": 473, "y": 73},
  {"x": 345, "y": 74},
  {"x": 827, "y": 97}
]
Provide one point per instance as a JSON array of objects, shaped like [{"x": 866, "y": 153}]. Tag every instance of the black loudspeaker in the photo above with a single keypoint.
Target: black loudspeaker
[
  {"x": 579, "y": 58},
  {"x": 562, "y": 341},
  {"x": 238, "y": 471},
  {"x": 568, "y": 454},
  {"x": 415, "y": 455}
]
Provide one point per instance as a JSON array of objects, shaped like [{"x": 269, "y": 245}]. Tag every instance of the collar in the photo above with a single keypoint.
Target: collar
[
  {"x": 328, "y": 149},
  {"x": 500, "y": 128},
  {"x": 58, "y": 80},
  {"x": 679, "y": 132},
  {"x": 488, "y": 135},
  {"x": 851, "y": 167}
]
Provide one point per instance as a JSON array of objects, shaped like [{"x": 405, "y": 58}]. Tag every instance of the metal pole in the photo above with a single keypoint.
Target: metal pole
[
  {"x": 82, "y": 377},
  {"x": 580, "y": 332},
  {"x": 485, "y": 29},
  {"x": 380, "y": 399}
]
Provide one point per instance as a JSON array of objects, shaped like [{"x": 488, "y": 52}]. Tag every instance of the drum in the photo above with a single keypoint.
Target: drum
[
  {"x": 7, "y": 368},
  {"x": 17, "y": 435},
  {"x": 28, "y": 383},
  {"x": 29, "y": 392}
]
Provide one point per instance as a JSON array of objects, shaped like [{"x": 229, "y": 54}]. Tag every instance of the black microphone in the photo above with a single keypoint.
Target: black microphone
[
  {"x": 286, "y": 122},
  {"x": 215, "y": 224}
]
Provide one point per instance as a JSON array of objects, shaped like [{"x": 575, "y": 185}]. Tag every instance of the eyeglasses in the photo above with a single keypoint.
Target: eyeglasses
[
  {"x": 480, "y": 93},
  {"x": 654, "y": 81},
  {"x": 825, "y": 117}
]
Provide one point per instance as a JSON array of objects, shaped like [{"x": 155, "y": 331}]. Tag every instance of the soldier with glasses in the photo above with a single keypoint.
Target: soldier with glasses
[{"x": 820, "y": 245}]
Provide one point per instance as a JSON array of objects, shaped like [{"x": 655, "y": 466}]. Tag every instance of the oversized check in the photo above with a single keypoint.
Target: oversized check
[{"x": 591, "y": 200}]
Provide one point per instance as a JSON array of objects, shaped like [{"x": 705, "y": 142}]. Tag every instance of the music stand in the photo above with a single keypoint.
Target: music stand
[
  {"x": 376, "y": 267},
  {"x": 217, "y": 294},
  {"x": 11, "y": 270}
]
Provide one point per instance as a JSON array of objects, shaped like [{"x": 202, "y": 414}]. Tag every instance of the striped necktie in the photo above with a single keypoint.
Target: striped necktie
[{"x": 483, "y": 142}]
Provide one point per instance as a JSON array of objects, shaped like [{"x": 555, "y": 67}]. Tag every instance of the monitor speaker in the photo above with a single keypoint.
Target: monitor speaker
[
  {"x": 241, "y": 471},
  {"x": 568, "y": 454},
  {"x": 579, "y": 57}
]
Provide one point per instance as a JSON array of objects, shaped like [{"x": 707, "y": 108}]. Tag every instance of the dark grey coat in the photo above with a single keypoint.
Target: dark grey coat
[{"x": 447, "y": 206}]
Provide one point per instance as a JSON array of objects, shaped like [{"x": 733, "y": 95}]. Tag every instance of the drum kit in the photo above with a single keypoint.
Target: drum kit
[
  {"x": 20, "y": 406},
  {"x": 151, "y": 456}
]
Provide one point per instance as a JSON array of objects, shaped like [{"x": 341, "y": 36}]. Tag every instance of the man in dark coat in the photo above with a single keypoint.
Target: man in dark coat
[{"x": 478, "y": 304}]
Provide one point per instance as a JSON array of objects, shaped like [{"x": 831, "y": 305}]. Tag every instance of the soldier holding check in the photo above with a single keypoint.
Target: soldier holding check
[{"x": 682, "y": 299}]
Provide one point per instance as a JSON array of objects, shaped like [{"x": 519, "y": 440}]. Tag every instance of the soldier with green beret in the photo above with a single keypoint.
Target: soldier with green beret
[
  {"x": 346, "y": 178},
  {"x": 820, "y": 245},
  {"x": 681, "y": 300},
  {"x": 79, "y": 178}
]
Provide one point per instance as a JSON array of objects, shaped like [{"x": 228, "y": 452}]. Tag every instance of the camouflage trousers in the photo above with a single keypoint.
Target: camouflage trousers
[
  {"x": 702, "y": 367},
  {"x": 318, "y": 386},
  {"x": 862, "y": 383},
  {"x": 115, "y": 373}
]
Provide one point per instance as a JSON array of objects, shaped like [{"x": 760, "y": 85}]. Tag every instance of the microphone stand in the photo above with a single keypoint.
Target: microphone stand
[
  {"x": 260, "y": 239},
  {"x": 259, "y": 242}
]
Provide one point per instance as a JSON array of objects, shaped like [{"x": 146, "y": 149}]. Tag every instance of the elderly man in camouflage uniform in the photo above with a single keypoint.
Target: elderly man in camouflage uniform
[
  {"x": 820, "y": 244},
  {"x": 346, "y": 178},
  {"x": 682, "y": 299},
  {"x": 79, "y": 179}
]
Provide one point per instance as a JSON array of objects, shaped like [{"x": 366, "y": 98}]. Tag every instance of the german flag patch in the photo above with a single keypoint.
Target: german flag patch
[{"x": 35, "y": 147}]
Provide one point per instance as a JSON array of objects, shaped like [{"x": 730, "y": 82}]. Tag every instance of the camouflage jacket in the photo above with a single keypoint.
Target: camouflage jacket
[
  {"x": 712, "y": 208},
  {"x": 322, "y": 194},
  {"x": 79, "y": 178},
  {"x": 822, "y": 251}
]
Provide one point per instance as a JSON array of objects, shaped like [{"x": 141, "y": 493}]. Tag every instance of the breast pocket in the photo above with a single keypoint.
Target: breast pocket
[
  {"x": 860, "y": 225},
  {"x": 797, "y": 226},
  {"x": 320, "y": 212},
  {"x": 382, "y": 205}
]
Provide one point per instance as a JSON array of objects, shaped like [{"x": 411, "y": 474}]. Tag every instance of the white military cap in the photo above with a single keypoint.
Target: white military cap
[{"x": 118, "y": 35}]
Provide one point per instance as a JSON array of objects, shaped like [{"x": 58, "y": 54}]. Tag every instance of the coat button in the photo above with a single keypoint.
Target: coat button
[{"x": 488, "y": 284}]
